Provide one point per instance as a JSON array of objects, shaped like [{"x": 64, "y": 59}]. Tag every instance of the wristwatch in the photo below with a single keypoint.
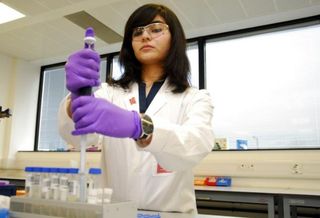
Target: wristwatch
[{"x": 146, "y": 125}]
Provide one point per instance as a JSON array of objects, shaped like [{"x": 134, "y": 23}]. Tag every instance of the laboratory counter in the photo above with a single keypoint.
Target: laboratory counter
[{"x": 282, "y": 199}]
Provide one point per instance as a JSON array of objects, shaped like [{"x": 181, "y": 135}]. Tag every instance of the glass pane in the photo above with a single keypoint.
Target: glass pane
[
  {"x": 53, "y": 91},
  {"x": 193, "y": 55},
  {"x": 116, "y": 70},
  {"x": 266, "y": 89}
]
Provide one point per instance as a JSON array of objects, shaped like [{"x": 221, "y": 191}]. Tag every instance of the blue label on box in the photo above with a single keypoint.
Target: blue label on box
[{"x": 223, "y": 181}]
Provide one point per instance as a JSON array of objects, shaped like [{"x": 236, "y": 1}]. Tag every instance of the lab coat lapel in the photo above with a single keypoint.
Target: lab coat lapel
[
  {"x": 159, "y": 100},
  {"x": 131, "y": 99}
]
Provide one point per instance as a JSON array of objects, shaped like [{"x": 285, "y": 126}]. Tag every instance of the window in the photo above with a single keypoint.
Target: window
[
  {"x": 53, "y": 91},
  {"x": 193, "y": 55},
  {"x": 116, "y": 71},
  {"x": 266, "y": 89}
]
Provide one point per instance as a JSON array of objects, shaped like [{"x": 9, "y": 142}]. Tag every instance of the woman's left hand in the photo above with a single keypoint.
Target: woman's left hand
[{"x": 97, "y": 115}]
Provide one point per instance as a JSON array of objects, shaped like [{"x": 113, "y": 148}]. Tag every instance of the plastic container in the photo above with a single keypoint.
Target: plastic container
[
  {"x": 74, "y": 187},
  {"x": 63, "y": 184},
  {"x": 45, "y": 183},
  {"x": 54, "y": 183},
  {"x": 20, "y": 208},
  {"x": 95, "y": 190},
  {"x": 28, "y": 181},
  {"x": 35, "y": 189}
]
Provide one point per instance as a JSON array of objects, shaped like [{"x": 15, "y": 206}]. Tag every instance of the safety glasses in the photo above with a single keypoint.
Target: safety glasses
[{"x": 154, "y": 30}]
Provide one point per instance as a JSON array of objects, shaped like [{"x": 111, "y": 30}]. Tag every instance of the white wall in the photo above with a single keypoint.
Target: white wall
[
  {"x": 19, "y": 86},
  {"x": 6, "y": 75}
]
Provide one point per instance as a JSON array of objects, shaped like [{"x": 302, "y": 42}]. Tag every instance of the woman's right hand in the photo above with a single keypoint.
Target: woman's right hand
[{"x": 82, "y": 70}]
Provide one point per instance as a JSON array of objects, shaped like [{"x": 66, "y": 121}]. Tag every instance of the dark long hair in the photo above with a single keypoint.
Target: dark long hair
[{"x": 176, "y": 65}]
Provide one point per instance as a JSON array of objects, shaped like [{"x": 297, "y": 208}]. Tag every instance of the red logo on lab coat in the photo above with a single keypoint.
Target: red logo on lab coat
[
  {"x": 132, "y": 100},
  {"x": 161, "y": 169}
]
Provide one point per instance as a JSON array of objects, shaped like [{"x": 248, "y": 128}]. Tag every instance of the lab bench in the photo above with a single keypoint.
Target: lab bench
[{"x": 277, "y": 200}]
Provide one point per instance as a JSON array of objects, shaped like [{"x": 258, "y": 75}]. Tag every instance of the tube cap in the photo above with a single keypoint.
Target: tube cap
[{"x": 94, "y": 171}]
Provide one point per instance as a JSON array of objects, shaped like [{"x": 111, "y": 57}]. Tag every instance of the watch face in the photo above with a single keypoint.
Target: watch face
[{"x": 147, "y": 124}]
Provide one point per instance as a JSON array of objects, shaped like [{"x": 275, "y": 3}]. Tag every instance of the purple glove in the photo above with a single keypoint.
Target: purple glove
[
  {"x": 82, "y": 70},
  {"x": 97, "y": 115}
]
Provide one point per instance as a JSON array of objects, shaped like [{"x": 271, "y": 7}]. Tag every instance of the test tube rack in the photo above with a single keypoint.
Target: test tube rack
[{"x": 26, "y": 207}]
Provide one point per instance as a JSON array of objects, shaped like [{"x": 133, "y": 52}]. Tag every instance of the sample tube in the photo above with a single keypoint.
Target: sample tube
[
  {"x": 63, "y": 184},
  {"x": 95, "y": 191},
  {"x": 28, "y": 181},
  {"x": 54, "y": 184},
  {"x": 74, "y": 188},
  {"x": 35, "y": 184},
  {"x": 45, "y": 183}
]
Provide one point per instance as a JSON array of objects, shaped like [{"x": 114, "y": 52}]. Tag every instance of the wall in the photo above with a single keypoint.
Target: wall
[
  {"x": 25, "y": 101},
  {"x": 6, "y": 76},
  {"x": 19, "y": 86}
]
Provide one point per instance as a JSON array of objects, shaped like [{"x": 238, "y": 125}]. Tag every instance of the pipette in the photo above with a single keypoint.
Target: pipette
[{"x": 89, "y": 41}]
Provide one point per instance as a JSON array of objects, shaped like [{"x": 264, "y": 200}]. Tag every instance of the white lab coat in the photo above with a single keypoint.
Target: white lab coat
[{"x": 182, "y": 137}]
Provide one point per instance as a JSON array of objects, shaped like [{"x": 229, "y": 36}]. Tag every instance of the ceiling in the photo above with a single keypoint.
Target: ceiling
[{"x": 45, "y": 36}]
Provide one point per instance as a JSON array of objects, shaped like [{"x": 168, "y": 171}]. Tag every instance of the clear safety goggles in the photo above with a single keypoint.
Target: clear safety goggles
[{"x": 154, "y": 30}]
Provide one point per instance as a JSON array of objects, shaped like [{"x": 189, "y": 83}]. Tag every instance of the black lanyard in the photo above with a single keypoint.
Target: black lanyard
[{"x": 145, "y": 101}]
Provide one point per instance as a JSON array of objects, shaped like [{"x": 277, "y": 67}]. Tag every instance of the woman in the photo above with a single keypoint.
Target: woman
[{"x": 155, "y": 127}]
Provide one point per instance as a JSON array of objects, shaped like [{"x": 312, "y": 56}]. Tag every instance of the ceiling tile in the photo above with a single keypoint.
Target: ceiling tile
[
  {"x": 76, "y": 1},
  {"x": 74, "y": 33},
  {"x": 315, "y": 2},
  {"x": 284, "y": 5},
  {"x": 11, "y": 48},
  {"x": 184, "y": 20},
  {"x": 258, "y": 7},
  {"x": 109, "y": 17},
  {"x": 206, "y": 17},
  {"x": 67, "y": 41},
  {"x": 125, "y": 8},
  {"x": 54, "y": 4},
  {"x": 227, "y": 10},
  {"x": 32, "y": 8}
]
